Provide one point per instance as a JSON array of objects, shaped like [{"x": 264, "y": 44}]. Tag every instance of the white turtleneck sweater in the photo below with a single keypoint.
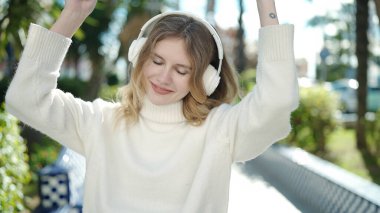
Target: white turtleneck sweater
[{"x": 161, "y": 163}]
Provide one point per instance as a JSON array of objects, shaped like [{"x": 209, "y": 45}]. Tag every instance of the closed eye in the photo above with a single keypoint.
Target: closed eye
[
  {"x": 182, "y": 72},
  {"x": 157, "y": 62}
]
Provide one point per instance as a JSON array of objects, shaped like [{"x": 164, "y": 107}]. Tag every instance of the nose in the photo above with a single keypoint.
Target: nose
[{"x": 164, "y": 76}]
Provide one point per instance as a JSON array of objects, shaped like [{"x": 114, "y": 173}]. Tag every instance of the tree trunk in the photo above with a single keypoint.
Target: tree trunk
[
  {"x": 96, "y": 80},
  {"x": 362, "y": 53},
  {"x": 241, "y": 58},
  {"x": 362, "y": 57},
  {"x": 31, "y": 136}
]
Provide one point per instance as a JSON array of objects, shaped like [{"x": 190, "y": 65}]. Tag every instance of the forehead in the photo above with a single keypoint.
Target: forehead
[{"x": 173, "y": 49}]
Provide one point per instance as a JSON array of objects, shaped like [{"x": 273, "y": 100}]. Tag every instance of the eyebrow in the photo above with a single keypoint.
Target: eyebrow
[{"x": 179, "y": 65}]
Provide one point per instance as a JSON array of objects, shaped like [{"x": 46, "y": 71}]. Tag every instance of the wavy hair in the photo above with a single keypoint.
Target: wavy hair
[{"x": 202, "y": 49}]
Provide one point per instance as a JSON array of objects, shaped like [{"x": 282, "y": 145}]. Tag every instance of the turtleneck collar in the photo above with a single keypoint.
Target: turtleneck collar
[{"x": 170, "y": 113}]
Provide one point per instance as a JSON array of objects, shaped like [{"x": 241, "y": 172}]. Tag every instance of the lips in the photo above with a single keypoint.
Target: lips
[{"x": 160, "y": 90}]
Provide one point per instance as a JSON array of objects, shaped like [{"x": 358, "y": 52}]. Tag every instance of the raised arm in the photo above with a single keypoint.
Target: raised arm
[
  {"x": 267, "y": 12},
  {"x": 33, "y": 96},
  {"x": 262, "y": 117},
  {"x": 72, "y": 16}
]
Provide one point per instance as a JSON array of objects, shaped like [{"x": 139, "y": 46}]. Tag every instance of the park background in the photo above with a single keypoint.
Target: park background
[{"x": 337, "y": 49}]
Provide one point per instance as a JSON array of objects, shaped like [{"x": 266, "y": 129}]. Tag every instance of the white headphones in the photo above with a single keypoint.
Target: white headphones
[{"x": 211, "y": 77}]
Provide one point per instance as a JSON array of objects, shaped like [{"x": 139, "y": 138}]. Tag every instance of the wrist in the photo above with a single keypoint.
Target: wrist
[
  {"x": 267, "y": 12},
  {"x": 68, "y": 23}
]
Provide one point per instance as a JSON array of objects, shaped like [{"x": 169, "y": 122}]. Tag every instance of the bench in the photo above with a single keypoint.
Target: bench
[{"x": 313, "y": 184}]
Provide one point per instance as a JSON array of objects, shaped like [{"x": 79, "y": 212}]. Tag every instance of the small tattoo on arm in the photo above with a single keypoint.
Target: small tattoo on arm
[{"x": 272, "y": 15}]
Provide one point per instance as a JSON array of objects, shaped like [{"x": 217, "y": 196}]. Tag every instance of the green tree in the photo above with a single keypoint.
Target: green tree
[
  {"x": 15, "y": 17},
  {"x": 14, "y": 169},
  {"x": 314, "y": 120},
  {"x": 339, "y": 34},
  {"x": 351, "y": 42},
  {"x": 96, "y": 25}
]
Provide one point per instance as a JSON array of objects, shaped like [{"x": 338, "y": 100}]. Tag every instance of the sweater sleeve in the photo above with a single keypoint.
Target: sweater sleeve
[
  {"x": 263, "y": 116},
  {"x": 33, "y": 97}
]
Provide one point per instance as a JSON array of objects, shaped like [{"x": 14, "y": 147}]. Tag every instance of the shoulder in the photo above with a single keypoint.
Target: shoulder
[
  {"x": 102, "y": 105},
  {"x": 217, "y": 112}
]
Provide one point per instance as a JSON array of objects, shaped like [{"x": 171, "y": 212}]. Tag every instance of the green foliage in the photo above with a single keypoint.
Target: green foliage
[
  {"x": 4, "y": 83},
  {"x": 373, "y": 135},
  {"x": 13, "y": 20},
  {"x": 42, "y": 153},
  {"x": 247, "y": 80},
  {"x": 73, "y": 85},
  {"x": 14, "y": 169},
  {"x": 334, "y": 71},
  {"x": 108, "y": 93},
  {"x": 112, "y": 78},
  {"x": 339, "y": 42},
  {"x": 314, "y": 120}
]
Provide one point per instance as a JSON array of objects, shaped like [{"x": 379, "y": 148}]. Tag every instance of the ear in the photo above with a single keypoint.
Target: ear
[
  {"x": 210, "y": 80},
  {"x": 134, "y": 50}
]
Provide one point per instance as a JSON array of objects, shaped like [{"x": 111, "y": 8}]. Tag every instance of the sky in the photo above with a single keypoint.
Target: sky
[{"x": 307, "y": 41}]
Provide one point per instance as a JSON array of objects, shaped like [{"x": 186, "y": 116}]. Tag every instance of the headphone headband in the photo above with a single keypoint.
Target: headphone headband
[{"x": 204, "y": 22}]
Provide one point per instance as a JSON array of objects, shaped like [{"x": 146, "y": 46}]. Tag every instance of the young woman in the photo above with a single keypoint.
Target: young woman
[{"x": 169, "y": 143}]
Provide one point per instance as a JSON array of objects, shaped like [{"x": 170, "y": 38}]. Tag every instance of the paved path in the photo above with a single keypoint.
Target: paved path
[{"x": 251, "y": 194}]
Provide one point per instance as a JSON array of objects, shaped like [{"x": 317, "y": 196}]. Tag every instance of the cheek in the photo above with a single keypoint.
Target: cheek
[
  {"x": 145, "y": 76},
  {"x": 185, "y": 84},
  {"x": 147, "y": 72},
  {"x": 150, "y": 70}
]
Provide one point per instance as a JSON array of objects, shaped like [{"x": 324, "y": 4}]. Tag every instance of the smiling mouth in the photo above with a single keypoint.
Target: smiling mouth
[{"x": 160, "y": 90}]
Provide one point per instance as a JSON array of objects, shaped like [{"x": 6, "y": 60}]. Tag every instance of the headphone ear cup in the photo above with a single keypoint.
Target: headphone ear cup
[
  {"x": 134, "y": 50},
  {"x": 211, "y": 80}
]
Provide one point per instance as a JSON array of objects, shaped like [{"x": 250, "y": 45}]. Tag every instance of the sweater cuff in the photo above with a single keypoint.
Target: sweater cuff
[
  {"x": 46, "y": 46},
  {"x": 276, "y": 42}
]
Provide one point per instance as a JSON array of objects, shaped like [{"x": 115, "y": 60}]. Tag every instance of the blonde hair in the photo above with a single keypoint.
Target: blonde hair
[{"x": 202, "y": 51}]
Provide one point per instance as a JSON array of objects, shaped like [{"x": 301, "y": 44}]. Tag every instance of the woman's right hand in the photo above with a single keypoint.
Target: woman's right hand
[{"x": 73, "y": 15}]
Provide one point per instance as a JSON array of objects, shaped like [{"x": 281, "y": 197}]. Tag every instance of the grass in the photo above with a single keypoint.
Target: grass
[{"x": 341, "y": 150}]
